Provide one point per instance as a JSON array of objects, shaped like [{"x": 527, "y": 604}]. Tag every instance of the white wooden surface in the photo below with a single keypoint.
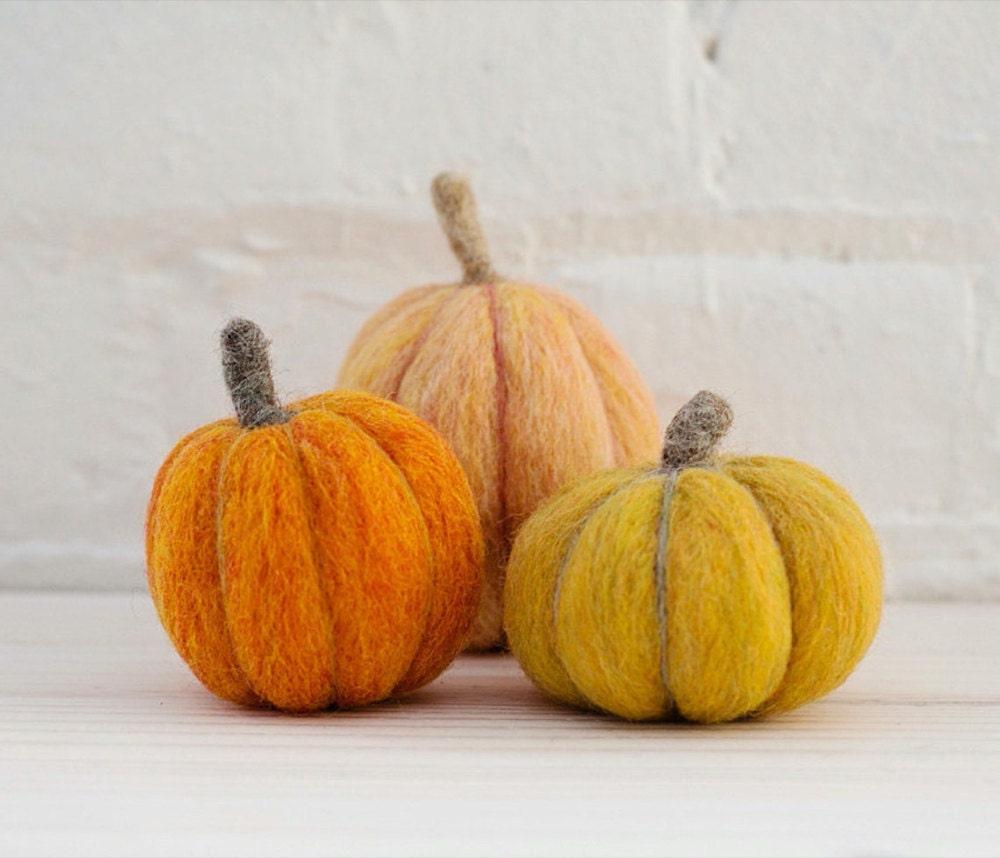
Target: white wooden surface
[{"x": 108, "y": 746}]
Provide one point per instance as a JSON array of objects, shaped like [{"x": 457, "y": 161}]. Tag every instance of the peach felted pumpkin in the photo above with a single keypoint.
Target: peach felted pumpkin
[
  {"x": 700, "y": 588},
  {"x": 527, "y": 386},
  {"x": 325, "y": 553}
]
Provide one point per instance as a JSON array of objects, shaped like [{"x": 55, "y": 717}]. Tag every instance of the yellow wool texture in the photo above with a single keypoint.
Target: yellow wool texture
[
  {"x": 740, "y": 589},
  {"x": 334, "y": 559},
  {"x": 728, "y": 615},
  {"x": 834, "y": 569},
  {"x": 710, "y": 646},
  {"x": 542, "y": 545},
  {"x": 527, "y": 387},
  {"x": 608, "y": 634}
]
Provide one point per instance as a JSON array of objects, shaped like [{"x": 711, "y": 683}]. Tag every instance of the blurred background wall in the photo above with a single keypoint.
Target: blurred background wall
[{"x": 796, "y": 205}]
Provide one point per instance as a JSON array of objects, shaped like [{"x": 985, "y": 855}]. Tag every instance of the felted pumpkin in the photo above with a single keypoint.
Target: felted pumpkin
[
  {"x": 527, "y": 386},
  {"x": 701, "y": 588},
  {"x": 326, "y": 553}
]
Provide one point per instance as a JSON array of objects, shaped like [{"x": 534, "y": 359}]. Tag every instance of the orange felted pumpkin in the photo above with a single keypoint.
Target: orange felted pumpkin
[
  {"x": 527, "y": 386},
  {"x": 326, "y": 553}
]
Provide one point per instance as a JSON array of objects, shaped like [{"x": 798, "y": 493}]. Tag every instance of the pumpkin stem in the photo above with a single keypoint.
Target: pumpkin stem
[
  {"x": 247, "y": 371},
  {"x": 694, "y": 434},
  {"x": 456, "y": 208}
]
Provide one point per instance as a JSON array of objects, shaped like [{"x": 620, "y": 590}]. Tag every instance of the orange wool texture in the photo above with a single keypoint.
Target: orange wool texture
[
  {"x": 331, "y": 560},
  {"x": 528, "y": 387}
]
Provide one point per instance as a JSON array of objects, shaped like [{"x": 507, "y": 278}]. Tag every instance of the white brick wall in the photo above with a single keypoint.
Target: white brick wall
[{"x": 794, "y": 204}]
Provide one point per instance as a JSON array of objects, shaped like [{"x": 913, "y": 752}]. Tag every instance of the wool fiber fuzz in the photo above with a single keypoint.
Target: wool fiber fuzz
[
  {"x": 328, "y": 553},
  {"x": 702, "y": 589},
  {"x": 834, "y": 570},
  {"x": 527, "y": 386}
]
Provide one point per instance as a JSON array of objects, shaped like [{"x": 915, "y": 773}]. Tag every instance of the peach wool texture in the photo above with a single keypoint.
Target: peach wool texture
[
  {"x": 527, "y": 386},
  {"x": 323, "y": 554},
  {"x": 704, "y": 589}
]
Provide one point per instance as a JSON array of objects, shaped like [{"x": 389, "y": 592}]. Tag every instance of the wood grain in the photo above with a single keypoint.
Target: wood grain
[{"x": 108, "y": 746}]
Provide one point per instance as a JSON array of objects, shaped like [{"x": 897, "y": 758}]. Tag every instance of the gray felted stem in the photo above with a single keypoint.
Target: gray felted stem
[
  {"x": 456, "y": 208},
  {"x": 247, "y": 370},
  {"x": 694, "y": 434}
]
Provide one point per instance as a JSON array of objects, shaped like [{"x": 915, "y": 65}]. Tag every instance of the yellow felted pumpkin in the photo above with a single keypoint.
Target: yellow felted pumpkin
[
  {"x": 325, "y": 553},
  {"x": 527, "y": 386},
  {"x": 701, "y": 588}
]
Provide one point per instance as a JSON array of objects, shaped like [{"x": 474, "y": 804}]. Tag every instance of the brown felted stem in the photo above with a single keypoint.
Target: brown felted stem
[
  {"x": 456, "y": 208},
  {"x": 247, "y": 371},
  {"x": 693, "y": 436}
]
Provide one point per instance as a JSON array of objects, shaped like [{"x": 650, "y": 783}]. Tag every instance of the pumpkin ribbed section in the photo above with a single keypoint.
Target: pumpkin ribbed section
[
  {"x": 527, "y": 386},
  {"x": 333, "y": 559},
  {"x": 742, "y": 588}
]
